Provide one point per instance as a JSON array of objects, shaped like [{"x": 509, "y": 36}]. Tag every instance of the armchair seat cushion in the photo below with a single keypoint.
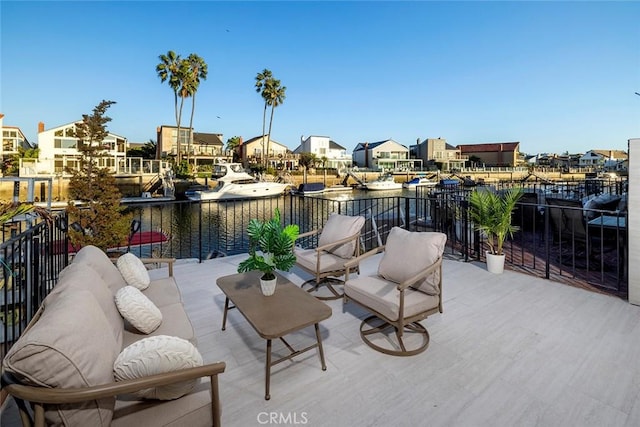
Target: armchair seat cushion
[
  {"x": 383, "y": 296},
  {"x": 308, "y": 258}
]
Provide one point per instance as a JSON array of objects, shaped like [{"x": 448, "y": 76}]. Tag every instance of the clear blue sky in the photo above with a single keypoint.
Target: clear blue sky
[{"x": 555, "y": 76}]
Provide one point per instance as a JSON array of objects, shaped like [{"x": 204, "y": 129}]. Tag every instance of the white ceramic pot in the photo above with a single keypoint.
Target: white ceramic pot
[
  {"x": 495, "y": 263},
  {"x": 268, "y": 287}
]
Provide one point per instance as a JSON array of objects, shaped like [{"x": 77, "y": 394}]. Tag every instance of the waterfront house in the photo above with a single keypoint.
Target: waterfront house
[
  {"x": 493, "y": 154},
  {"x": 439, "y": 151},
  {"x": 59, "y": 150},
  {"x": 279, "y": 156},
  {"x": 12, "y": 140},
  {"x": 324, "y": 148},
  {"x": 204, "y": 148},
  {"x": 387, "y": 154},
  {"x": 603, "y": 159}
]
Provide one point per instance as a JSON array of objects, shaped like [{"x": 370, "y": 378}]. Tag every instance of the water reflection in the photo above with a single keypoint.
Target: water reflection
[{"x": 209, "y": 229}]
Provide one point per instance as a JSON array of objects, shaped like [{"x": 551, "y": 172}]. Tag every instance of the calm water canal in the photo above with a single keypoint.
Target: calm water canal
[{"x": 203, "y": 230}]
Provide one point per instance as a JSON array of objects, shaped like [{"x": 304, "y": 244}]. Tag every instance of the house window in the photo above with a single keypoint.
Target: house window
[
  {"x": 184, "y": 135},
  {"x": 64, "y": 143}
]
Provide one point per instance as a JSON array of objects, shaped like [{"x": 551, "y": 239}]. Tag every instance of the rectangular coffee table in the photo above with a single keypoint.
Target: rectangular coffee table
[{"x": 288, "y": 310}]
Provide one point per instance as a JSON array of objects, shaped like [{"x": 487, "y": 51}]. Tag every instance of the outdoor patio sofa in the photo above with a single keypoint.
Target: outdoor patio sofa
[{"x": 63, "y": 363}]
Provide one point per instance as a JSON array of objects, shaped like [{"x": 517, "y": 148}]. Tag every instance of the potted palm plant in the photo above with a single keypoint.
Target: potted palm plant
[
  {"x": 491, "y": 214},
  {"x": 270, "y": 248}
]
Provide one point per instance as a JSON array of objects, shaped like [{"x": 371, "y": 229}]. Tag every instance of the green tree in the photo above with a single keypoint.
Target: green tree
[
  {"x": 274, "y": 95},
  {"x": 172, "y": 69},
  {"x": 308, "y": 160},
  {"x": 100, "y": 218},
  {"x": 232, "y": 145},
  {"x": 196, "y": 70},
  {"x": 147, "y": 151},
  {"x": 262, "y": 80}
]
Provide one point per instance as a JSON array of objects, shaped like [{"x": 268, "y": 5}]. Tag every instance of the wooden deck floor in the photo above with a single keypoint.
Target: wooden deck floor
[{"x": 509, "y": 350}]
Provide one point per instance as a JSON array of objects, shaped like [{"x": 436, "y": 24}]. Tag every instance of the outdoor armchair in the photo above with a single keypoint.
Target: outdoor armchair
[
  {"x": 406, "y": 288},
  {"x": 338, "y": 242}
]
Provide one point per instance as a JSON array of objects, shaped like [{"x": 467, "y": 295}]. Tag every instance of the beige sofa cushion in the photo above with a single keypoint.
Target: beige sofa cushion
[
  {"x": 163, "y": 292},
  {"x": 133, "y": 271},
  {"x": 177, "y": 325},
  {"x": 192, "y": 410},
  {"x": 157, "y": 355},
  {"x": 98, "y": 260},
  {"x": 55, "y": 352},
  {"x": 383, "y": 296},
  {"x": 406, "y": 253},
  {"x": 138, "y": 310},
  {"x": 77, "y": 276},
  {"x": 340, "y": 227}
]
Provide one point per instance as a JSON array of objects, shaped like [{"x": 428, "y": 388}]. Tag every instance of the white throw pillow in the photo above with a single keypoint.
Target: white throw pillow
[
  {"x": 157, "y": 355},
  {"x": 138, "y": 310},
  {"x": 133, "y": 271}
]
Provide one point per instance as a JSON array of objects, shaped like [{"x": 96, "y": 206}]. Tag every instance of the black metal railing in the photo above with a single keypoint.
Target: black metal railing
[
  {"x": 555, "y": 241},
  {"x": 30, "y": 263}
]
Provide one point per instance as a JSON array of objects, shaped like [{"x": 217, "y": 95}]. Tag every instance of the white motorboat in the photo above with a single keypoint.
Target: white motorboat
[
  {"x": 384, "y": 182},
  {"x": 419, "y": 181},
  {"x": 234, "y": 183}
]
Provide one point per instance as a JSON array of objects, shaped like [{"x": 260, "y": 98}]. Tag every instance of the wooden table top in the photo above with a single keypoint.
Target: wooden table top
[{"x": 289, "y": 309}]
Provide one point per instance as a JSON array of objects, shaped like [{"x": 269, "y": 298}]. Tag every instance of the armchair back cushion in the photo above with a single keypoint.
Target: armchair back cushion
[
  {"x": 339, "y": 227},
  {"x": 407, "y": 253}
]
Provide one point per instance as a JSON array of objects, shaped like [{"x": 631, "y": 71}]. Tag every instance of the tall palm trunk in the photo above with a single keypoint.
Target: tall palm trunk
[
  {"x": 269, "y": 135},
  {"x": 179, "y": 152},
  {"x": 193, "y": 107},
  {"x": 264, "y": 122}
]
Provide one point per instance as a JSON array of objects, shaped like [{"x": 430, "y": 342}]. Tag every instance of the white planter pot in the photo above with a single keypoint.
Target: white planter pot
[
  {"x": 495, "y": 263},
  {"x": 268, "y": 287}
]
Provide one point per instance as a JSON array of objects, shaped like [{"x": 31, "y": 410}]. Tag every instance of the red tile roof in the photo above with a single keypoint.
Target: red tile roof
[{"x": 489, "y": 147}]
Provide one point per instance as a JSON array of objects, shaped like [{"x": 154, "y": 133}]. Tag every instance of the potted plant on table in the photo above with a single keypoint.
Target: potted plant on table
[
  {"x": 491, "y": 214},
  {"x": 270, "y": 248}
]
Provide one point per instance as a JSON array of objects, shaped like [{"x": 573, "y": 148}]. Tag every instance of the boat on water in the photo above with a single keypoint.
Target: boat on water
[
  {"x": 419, "y": 181},
  {"x": 138, "y": 239},
  {"x": 311, "y": 188},
  {"x": 234, "y": 183},
  {"x": 308, "y": 188},
  {"x": 384, "y": 182}
]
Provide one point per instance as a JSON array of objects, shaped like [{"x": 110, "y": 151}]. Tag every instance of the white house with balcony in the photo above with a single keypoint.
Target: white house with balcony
[
  {"x": 324, "y": 148},
  {"x": 12, "y": 140},
  {"x": 385, "y": 155},
  {"x": 59, "y": 150}
]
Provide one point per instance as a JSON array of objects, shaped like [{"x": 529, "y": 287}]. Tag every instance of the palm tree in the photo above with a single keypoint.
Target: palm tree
[
  {"x": 262, "y": 80},
  {"x": 275, "y": 95},
  {"x": 171, "y": 69},
  {"x": 232, "y": 144},
  {"x": 196, "y": 70}
]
